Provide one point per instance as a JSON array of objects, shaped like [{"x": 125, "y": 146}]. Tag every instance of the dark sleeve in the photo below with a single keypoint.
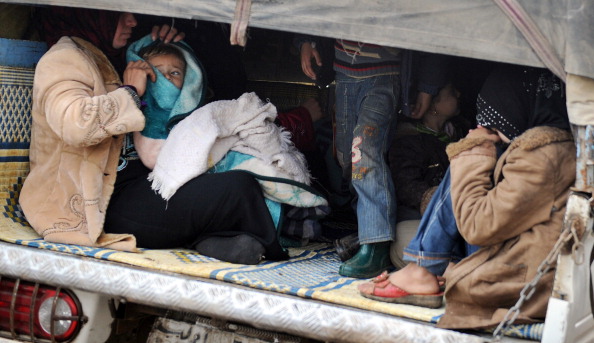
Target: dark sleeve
[
  {"x": 408, "y": 167},
  {"x": 298, "y": 122},
  {"x": 432, "y": 72},
  {"x": 299, "y": 39}
]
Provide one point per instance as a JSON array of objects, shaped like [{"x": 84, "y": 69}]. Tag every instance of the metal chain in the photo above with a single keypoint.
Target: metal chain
[{"x": 512, "y": 314}]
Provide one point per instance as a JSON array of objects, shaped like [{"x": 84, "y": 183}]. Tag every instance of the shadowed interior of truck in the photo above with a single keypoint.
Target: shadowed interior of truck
[{"x": 268, "y": 65}]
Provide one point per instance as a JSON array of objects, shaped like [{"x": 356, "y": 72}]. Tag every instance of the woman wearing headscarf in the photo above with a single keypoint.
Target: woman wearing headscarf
[
  {"x": 83, "y": 113},
  {"x": 511, "y": 207}
]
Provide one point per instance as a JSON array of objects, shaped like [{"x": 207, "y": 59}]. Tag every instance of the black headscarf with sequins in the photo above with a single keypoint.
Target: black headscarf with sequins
[
  {"x": 514, "y": 99},
  {"x": 95, "y": 26}
]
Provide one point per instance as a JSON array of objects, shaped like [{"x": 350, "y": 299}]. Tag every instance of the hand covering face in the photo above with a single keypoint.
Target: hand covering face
[{"x": 166, "y": 105}]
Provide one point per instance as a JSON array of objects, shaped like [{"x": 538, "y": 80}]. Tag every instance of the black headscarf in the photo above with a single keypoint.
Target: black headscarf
[
  {"x": 514, "y": 99},
  {"x": 95, "y": 26}
]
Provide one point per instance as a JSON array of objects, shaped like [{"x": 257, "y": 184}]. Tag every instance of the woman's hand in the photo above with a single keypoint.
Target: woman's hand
[
  {"x": 136, "y": 74},
  {"x": 484, "y": 132},
  {"x": 167, "y": 34},
  {"x": 308, "y": 52}
]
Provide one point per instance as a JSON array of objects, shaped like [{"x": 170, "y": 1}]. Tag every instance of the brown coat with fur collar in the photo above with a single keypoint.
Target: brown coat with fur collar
[
  {"x": 79, "y": 121},
  {"x": 513, "y": 208}
]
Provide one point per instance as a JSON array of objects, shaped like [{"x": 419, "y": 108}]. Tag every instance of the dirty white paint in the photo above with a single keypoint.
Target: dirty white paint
[{"x": 471, "y": 28}]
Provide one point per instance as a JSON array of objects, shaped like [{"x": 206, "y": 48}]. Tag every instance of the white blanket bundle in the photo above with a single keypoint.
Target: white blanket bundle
[{"x": 204, "y": 137}]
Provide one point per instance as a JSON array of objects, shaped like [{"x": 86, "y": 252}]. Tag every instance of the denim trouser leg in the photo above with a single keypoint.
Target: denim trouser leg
[
  {"x": 365, "y": 118},
  {"x": 438, "y": 240}
]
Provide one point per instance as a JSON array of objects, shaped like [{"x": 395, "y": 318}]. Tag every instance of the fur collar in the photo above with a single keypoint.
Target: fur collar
[
  {"x": 529, "y": 140},
  {"x": 540, "y": 136},
  {"x": 465, "y": 144}
]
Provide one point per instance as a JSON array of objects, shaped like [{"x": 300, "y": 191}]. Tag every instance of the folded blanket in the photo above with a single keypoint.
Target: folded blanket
[
  {"x": 278, "y": 190},
  {"x": 203, "y": 138},
  {"x": 166, "y": 104},
  {"x": 276, "y": 186}
]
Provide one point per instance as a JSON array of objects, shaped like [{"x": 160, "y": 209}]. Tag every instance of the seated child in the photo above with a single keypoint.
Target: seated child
[
  {"x": 226, "y": 211},
  {"x": 418, "y": 160},
  {"x": 222, "y": 137},
  {"x": 169, "y": 99},
  {"x": 511, "y": 207}
]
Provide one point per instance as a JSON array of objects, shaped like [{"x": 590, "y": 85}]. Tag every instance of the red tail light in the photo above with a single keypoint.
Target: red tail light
[{"x": 32, "y": 311}]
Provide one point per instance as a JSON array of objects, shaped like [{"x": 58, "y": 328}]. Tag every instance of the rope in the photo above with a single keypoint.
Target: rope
[{"x": 240, "y": 22}]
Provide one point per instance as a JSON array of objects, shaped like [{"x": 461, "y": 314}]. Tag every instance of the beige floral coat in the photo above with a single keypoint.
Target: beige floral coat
[
  {"x": 513, "y": 208},
  {"x": 80, "y": 118}
]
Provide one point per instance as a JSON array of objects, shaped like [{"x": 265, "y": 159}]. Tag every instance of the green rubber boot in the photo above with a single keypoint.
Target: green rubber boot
[{"x": 370, "y": 261}]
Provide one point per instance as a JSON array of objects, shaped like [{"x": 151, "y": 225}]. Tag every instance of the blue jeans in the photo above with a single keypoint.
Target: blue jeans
[
  {"x": 365, "y": 121},
  {"x": 438, "y": 240}
]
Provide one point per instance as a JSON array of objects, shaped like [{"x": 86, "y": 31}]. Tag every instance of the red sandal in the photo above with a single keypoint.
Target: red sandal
[{"x": 380, "y": 288}]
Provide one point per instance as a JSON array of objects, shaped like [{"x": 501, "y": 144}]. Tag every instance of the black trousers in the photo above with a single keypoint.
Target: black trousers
[{"x": 220, "y": 204}]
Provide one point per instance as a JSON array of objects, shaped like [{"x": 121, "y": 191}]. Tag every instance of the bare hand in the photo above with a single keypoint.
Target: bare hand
[
  {"x": 308, "y": 53},
  {"x": 484, "y": 132},
  {"x": 422, "y": 105},
  {"x": 136, "y": 74},
  {"x": 313, "y": 107},
  {"x": 167, "y": 34}
]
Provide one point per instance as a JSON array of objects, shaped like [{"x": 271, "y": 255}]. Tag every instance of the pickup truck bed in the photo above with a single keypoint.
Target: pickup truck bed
[
  {"x": 304, "y": 296},
  {"x": 263, "y": 309}
]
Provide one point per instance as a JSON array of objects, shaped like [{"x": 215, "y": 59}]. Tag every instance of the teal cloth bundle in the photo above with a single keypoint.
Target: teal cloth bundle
[{"x": 166, "y": 104}]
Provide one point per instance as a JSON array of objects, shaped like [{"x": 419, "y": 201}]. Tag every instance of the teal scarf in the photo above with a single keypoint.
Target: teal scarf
[{"x": 166, "y": 105}]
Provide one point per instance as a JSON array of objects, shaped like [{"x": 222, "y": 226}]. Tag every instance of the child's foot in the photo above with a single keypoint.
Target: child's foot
[
  {"x": 412, "y": 285},
  {"x": 415, "y": 279}
]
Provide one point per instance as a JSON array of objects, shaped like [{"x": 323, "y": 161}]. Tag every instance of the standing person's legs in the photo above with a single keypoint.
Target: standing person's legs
[
  {"x": 346, "y": 120},
  {"x": 224, "y": 204},
  {"x": 368, "y": 106},
  {"x": 371, "y": 178}
]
